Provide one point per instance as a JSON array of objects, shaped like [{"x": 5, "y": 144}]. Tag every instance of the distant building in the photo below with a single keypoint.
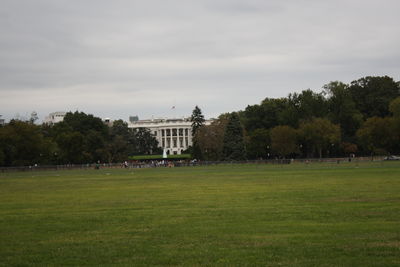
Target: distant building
[
  {"x": 133, "y": 119},
  {"x": 109, "y": 122},
  {"x": 55, "y": 117},
  {"x": 2, "y": 121},
  {"x": 173, "y": 135}
]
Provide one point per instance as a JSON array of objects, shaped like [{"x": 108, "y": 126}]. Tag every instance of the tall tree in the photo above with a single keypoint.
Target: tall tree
[
  {"x": 210, "y": 138},
  {"x": 233, "y": 145},
  {"x": 342, "y": 109},
  {"x": 197, "y": 120}
]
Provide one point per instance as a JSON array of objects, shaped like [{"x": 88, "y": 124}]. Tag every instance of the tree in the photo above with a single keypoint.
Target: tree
[
  {"x": 197, "y": 120},
  {"x": 307, "y": 105},
  {"x": 233, "y": 144},
  {"x": 116, "y": 149},
  {"x": 83, "y": 123},
  {"x": 210, "y": 138},
  {"x": 342, "y": 109},
  {"x": 372, "y": 95},
  {"x": 394, "y": 107},
  {"x": 94, "y": 144},
  {"x": 144, "y": 142},
  {"x": 284, "y": 140},
  {"x": 377, "y": 135},
  {"x": 257, "y": 143},
  {"x": 318, "y": 135},
  {"x": 270, "y": 113},
  {"x": 72, "y": 148},
  {"x": 119, "y": 127},
  {"x": 22, "y": 143},
  {"x": 81, "y": 138},
  {"x": 349, "y": 148}
]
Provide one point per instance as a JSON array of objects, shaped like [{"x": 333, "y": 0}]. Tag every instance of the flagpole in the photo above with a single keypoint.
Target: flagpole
[{"x": 174, "y": 109}]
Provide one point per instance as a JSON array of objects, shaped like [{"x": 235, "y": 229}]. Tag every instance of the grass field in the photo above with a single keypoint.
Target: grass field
[{"x": 234, "y": 215}]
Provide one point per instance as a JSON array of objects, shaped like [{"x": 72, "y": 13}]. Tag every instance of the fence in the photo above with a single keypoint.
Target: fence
[{"x": 182, "y": 163}]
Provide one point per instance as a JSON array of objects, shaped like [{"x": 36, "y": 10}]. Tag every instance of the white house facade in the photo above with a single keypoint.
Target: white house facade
[{"x": 173, "y": 135}]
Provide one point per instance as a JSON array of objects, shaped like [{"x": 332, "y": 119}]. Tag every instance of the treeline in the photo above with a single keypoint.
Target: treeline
[
  {"x": 361, "y": 118},
  {"x": 79, "y": 138}
]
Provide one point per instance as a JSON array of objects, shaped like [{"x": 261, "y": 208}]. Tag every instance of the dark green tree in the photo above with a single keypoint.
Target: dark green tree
[
  {"x": 372, "y": 95},
  {"x": 342, "y": 109},
  {"x": 116, "y": 149},
  {"x": 22, "y": 143},
  {"x": 81, "y": 138},
  {"x": 258, "y": 144},
  {"x": 83, "y": 123},
  {"x": 233, "y": 145},
  {"x": 145, "y": 142},
  {"x": 119, "y": 127},
  {"x": 305, "y": 106},
  {"x": 197, "y": 120},
  {"x": 270, "y": 113}
]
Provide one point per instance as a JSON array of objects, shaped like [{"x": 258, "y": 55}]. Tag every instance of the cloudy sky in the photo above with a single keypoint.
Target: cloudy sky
[{"x": 129, "y": 57}]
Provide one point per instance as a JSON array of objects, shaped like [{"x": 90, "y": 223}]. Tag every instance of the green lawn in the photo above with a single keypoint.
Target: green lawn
[{"x": 344, "y": 214}]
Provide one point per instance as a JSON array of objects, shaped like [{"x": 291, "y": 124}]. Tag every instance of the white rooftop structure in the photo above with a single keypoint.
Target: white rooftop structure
[{"x": 55, "y": 117}]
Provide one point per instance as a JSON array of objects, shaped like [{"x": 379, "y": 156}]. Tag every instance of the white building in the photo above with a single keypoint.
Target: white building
[
  {"x": 55, "y": 117},
  {"x": 173, "y": 135}
]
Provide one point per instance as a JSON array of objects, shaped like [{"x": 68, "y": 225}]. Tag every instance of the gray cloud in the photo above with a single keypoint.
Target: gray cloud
[{"x": 119, "y": 58}]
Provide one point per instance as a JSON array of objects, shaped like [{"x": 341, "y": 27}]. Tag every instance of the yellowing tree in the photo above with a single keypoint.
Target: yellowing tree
[
  {"x": 284, "y": 140},
  {"x": 318, "y": 135}
]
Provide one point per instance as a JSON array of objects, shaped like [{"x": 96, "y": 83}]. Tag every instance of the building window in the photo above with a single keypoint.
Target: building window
[
  {"x": 163, "y": 143},
  {"x": 174, "y": 140},
  {"x": 168, "y": 132},
  {"x": 187, "y": 142},
  {"x": 168, "y": 142},
  {"x": 163, "y": 132},
  {"x": 173, "y": 132},
  {"x": 155, "y": 133},
  {"x": 180, "y": 131},
  {"x": 186, "y": 132}
]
